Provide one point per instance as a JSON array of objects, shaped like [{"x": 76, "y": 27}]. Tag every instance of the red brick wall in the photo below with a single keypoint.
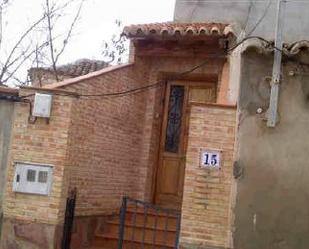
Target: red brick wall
[
  {"x": 105, "y": 140},
  {"x": 108, "y": 147},
  {"x": 39, "y": 143},
  {"x": 206, "y": 219},
  {"x": 114, "y": 142}
]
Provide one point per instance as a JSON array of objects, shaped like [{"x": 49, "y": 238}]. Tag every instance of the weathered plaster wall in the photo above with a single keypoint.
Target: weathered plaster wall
[
  {"x": 244, "y": 15},
  {"x": 273, "y": 190},
  {"x": 6, "y": 116}
]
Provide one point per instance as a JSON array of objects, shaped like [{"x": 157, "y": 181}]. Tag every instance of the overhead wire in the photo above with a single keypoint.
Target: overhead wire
[
  {"x": 260, "y": 19},
  {"x": 160, "y": 83},
  {"x": 248, "y": 15},
  {"x": 238, "y": 1}
]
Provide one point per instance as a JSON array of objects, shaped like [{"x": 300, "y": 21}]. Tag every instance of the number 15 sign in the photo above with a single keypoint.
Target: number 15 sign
[{"x": 210, "y": 159}]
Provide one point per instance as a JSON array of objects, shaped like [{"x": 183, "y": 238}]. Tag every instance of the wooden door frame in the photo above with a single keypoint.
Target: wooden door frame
[{"x": 187, "y": 83}]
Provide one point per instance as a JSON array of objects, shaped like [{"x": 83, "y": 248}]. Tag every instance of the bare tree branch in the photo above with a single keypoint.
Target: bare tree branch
[
  {"x": 22, "y": 37},
  {"x": 69, "y": 34},
  {"x": 24, "y": 52},
  {"x": 26, "y": 57},
  {"x": 50, "y": 37},
  {"x": 2, "y": 5},
  {"x": 115, "y": 50},
  {"x": 17, "y": 79},
  {"x": 18, "y": 57}
]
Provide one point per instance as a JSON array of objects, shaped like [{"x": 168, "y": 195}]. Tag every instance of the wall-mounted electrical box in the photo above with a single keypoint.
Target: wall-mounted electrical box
[
  {"x": 33, "y": 178},
  {"x": 42, "y": 105}
]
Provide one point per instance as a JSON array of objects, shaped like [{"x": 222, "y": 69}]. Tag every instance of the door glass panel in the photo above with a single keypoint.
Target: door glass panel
[
  {"x": 174, "y": 118},
  {"x": 201, "y": 95}
]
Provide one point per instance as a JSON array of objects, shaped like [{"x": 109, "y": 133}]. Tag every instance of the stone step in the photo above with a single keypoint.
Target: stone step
[
  {"x": 111, "y": 241},
  {"x": 138, "y": 232},
  {"x": 154, "y": 229}
]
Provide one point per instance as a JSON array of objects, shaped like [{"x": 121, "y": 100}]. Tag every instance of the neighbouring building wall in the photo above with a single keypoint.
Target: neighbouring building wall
[
  {"x": 6, "y": 116},
  {"x": 34, "y": 221},
  {"x": 206, "y": 210},
  {"x": 272, "y": 190},
  {"x": 41, "y": 77},
  {"x": 272, "y": 165},
  {"x": 250, "y": 17}
]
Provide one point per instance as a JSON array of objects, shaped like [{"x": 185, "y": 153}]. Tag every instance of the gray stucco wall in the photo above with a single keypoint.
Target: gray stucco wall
[
  {"x": 273, "y": 193},
  {"x": 6, "y": 115},
  {"x": 245, "y": 14}
]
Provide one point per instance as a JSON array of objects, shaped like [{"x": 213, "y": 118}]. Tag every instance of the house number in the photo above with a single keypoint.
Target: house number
[{"x": 210, "y": 159}]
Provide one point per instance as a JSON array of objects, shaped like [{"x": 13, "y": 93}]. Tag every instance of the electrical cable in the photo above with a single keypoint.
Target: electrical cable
[
  {"x": 238, "y": 1},
  {"x": 134, "y": 90},
  {"x": 160, "y": 83},
  {"x": 252, "y": 37},
  {"x": 144, "y": 88},
  {"x": 248, "y": 15},
  {"x": 260, "y": 19}
]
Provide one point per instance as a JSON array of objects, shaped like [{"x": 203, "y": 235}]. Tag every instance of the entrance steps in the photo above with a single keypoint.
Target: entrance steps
[{"x": 143, "y": 228}]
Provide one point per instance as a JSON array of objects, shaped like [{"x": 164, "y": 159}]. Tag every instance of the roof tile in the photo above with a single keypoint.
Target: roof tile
[
  {"x": 168, "y": 29},
  {"x": 77, "y": 68}
]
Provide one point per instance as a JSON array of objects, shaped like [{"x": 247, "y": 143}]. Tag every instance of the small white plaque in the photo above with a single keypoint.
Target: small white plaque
[{"x": 210, "y": 159}]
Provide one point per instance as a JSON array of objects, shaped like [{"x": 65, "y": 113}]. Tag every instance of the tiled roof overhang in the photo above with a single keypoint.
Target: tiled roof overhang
[
  {"x": 75, "y": 69},
  {"x": 177, "y": 30},
  {"x": 264, "y": 47},
  {"x": 4, "y": 90}
]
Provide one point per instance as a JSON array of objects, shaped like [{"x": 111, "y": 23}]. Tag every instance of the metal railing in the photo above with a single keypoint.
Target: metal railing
[
  {"x": 148, "y": 209},
  {"x": 68, "y": 219}
]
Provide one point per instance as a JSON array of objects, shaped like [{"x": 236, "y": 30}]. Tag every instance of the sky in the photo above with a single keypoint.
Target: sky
[
  {"x": 100, "y": 15},
  {"x": 97, "y": 22},
  {"x": 95, "y": 25}
]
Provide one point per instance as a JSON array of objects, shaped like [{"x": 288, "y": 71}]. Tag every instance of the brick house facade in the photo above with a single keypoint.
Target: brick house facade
[{"x": 108, "y": 146}]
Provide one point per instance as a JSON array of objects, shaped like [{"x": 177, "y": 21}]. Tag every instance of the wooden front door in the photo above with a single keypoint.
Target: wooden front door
[{"x": 171, "y": 163}]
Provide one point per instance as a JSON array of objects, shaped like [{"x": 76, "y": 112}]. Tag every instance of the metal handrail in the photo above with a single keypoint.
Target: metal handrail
[{"x": 147, "y": 208}]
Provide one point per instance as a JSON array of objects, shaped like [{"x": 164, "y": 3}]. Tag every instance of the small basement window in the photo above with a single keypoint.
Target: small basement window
[{"x": 33, "y": 178}]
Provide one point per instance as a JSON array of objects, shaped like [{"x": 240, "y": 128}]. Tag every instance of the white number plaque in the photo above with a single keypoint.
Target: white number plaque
[{"x": 210, "y": 159}]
